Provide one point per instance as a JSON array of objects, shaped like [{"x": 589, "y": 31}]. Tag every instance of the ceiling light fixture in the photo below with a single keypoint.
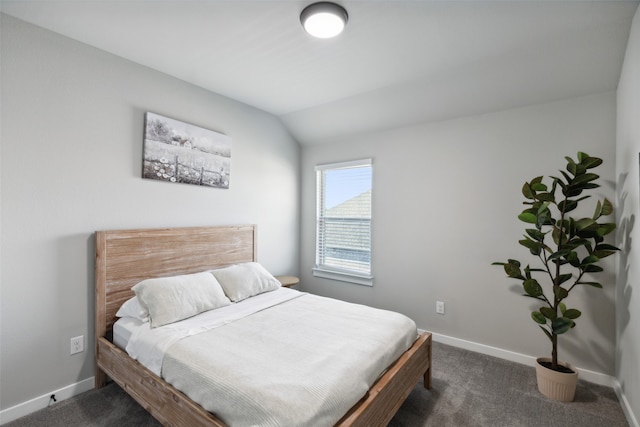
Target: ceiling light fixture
[{"x": 324, "y": 19}]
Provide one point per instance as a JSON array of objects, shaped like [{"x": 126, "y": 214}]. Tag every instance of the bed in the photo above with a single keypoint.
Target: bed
[{"x": 127, "y": 257}]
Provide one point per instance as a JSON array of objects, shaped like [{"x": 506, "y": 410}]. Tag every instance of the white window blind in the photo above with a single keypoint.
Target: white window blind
[{"x": 343, "y": 221}]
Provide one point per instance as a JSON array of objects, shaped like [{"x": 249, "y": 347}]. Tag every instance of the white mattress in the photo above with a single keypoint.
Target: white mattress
[{"x": 123, "y": 329}]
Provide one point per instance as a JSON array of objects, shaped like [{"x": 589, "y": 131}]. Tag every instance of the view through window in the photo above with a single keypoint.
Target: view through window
[{"x": 343, "y": 224}]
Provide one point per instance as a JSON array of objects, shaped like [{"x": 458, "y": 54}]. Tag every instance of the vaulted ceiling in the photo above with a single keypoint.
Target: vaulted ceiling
[{"x": 399, "y": 62}]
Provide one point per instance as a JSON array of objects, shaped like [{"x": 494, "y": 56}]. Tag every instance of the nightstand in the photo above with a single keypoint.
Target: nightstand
[{"x": 288, "y": 281}]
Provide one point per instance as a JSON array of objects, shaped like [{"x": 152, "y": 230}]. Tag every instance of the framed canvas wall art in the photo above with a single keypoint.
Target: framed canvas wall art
[{"x": 180, "y": 152}]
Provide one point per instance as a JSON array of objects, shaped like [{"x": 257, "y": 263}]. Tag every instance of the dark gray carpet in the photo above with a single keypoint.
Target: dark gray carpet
[{"x": 469, "y": 389}]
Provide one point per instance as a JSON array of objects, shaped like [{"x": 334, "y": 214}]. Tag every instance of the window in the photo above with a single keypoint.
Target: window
[{"x": 343, "y": 221}]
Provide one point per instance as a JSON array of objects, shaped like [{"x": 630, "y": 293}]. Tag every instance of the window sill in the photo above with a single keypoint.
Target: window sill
[{"x": 343, "y": 277}]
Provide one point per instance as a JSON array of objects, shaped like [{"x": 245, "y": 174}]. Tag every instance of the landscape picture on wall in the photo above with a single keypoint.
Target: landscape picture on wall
[{"x": 179, "y": 152}]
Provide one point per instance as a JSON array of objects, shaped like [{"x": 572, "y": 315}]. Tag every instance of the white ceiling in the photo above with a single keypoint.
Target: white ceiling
[{"x": 399, "y": 62}]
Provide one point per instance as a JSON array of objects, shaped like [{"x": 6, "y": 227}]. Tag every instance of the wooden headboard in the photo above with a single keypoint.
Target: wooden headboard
[{"x": 125, "y": 257}]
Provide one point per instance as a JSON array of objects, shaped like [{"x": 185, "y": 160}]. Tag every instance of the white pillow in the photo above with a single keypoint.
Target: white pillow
[
  {"x": 170, "y": 299},
  {"x": 245, "y": 280},
  {"x": 133, "y": 308}
]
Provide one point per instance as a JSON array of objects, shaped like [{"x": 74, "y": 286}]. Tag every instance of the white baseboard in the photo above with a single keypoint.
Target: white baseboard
[
  {"x": 43, "y": 401},
  {"x": 585, "y": 374},
  {"x": 626, "y": 407}
]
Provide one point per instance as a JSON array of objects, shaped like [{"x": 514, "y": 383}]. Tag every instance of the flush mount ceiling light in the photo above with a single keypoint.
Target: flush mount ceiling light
[{"x": 324, "y": 19}]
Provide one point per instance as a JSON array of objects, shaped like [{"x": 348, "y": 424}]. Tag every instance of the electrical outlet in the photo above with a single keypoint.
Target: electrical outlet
[
  {"x": 77, "y": 344},
  {"x": 439, "y": 307}
]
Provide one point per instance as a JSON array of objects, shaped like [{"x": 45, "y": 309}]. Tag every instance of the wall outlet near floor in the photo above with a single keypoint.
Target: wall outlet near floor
[
  {"x": 77, "y": 344},
  {"x": 440, "y": 307}
]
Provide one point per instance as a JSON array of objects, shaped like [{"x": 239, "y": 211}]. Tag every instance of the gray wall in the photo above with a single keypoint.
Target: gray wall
[
  {"x": 72, "y": 127},
  {"x": 445, "y": 202},
  {"x": 628, "y": 290}
]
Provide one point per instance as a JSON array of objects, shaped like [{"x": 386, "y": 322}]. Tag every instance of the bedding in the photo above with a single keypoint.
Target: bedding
[
  {"x": 170, "y": 299},
  {"x": 133, "y": 308},
  {"x": 123, "y": 329},
  {"x": 280, "y": 358},
  {"x": 245, "y": 280},
  {"x": 148, "y": 345}
]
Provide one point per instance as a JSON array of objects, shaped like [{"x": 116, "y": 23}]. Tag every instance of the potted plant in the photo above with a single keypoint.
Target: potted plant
[{"x": 567, "y": 250}]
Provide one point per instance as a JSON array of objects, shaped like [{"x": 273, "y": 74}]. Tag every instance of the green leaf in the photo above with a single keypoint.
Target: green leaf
[
  {"x": 571, "y": 313},
  {"x": 564, "y": 277},
  {"x": 526, "y": 191},
  {"x": 528, "y": 243},
  {"x": 583, "y": 198},
  {"x": 580, "y": 170},
  {"x": 545, "y": 197},
  {"x": 607, "y": 208},
  {"x": 559, "y": 254},
  {"x": 589, "y": 186},
  {"x": 528, "y": 217},
  {"x": 604, "y": 229},
  {"x": 558, "y": 181},
  {"x": 562, "y": 307},
  {"x": 538, "y": 186},
  {"x": 561, "y": 325},
  {"x": 567, "y": 205},
  {"x": 572, "y": 191},
  {"x": 603, "y": 254},
  {"x": 512, "y": 268},
  {"x": 571, "y": 166},
  {"x": 560, "y": 293},
  {"x": 604, "y": 250},
  {"x": 573, "y": 259},
  {"x": 598, "y": 212},
  {"x": 544, "y": 207},
  {"x": 538, "y": 317},
  {"x": 532, "y": 287},
  {"x": 567, "y": 178},
  {"x": 592, "y": 268},
  {"x": 535, "y": 234},
  {"x": 534, "y": 247},
  {"x": 583, "y": 179},
  {"x": 594, "y": 284},
  {"x": 576, "y": 243},
  {"x": 581, "y": 156},
  {"x": 585, "y": 223},
  {"x": 590, "y": 162},
  {"x": 605, "y": 247},
  {"x": 548, "y": 312},
  {"x": 558, "y": 235},
  {"x": 591, "y": 259}
]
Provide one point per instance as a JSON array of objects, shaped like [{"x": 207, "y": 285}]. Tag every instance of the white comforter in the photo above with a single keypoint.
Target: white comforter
[{"x": 302, "y": 362}]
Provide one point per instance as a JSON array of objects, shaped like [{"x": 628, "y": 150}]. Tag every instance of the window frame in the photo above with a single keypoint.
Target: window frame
[{"x": 334, "y": 273}]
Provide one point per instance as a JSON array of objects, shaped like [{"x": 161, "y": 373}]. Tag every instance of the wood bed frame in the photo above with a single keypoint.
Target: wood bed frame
[{"x": 123, "y": 258}]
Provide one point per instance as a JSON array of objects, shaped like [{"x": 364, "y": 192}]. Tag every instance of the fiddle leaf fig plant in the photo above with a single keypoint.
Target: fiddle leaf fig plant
[{"x": 567, "y": 249}]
